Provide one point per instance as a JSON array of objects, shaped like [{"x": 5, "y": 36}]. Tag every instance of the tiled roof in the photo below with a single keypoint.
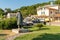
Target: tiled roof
[
  {"x": 47, "y": 6},
  {"x": 52, "y": 9}
]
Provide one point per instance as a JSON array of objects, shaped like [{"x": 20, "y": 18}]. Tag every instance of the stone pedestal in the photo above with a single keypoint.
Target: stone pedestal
[
  {"x": 15, "y": 31},
  {"x": 20, "y": 31}
]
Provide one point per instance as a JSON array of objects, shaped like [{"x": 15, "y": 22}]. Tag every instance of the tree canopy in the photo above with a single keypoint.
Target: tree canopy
[
  {"x": 1, "y": 11},
  {"x": 26, "y": 10}
]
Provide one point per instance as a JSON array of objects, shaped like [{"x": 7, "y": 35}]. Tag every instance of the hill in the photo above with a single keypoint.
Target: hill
[{"x": 26, "y": 10}]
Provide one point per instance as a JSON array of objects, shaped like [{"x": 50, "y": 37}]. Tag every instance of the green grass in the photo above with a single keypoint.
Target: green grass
[
  {"x": 2, "y": 38},
  {"x": 45, "y": 33}
]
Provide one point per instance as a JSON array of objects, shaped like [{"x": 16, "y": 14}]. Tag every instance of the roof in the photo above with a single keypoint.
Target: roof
[
  {"x": 43, "y": 6},
  {"x": 52, "y": 9},
  {"x": 48, "y": 6},
  {"x": 39, "y": 16}
]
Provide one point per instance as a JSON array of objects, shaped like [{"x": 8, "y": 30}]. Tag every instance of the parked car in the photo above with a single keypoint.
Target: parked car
[
  {"x": 39, "y": 21},
  {"x": 27, "y": 23},
  {"x": 36, "y": 21},
  {"x": 42, "y": 21}
]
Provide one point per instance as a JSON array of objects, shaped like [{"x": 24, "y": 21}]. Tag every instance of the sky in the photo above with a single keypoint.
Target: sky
[{"x": 14, "y": 4}]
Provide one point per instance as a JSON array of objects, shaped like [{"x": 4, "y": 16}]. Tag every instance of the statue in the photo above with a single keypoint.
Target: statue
[
  {"x": 19, "y": 20},
  {"x": 20, "y": 24}
]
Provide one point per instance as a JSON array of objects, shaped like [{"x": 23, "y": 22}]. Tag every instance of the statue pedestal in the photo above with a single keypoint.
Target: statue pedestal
[
  {"x": 15, "y": 31},
  {"x": 20, "y": 31}
]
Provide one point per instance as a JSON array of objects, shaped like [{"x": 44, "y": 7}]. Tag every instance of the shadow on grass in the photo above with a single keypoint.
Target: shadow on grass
[
  {"x": 44, "y": 29},
  {"x": 3, "y": 34},
  {"x": 48, "y": 37},
  {"x": 31, "y": 29},
  {"x": 41, "y": 29}
]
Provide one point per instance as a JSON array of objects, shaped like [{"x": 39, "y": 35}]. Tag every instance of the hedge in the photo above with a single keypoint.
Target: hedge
[{"x": 8, "y": 23}]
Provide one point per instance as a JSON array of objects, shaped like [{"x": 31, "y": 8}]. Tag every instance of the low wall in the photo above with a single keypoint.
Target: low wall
[{"x": 53, "y": 23}]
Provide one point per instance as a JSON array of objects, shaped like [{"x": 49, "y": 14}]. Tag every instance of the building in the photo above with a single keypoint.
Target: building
[
  {"x": 49, "y": 12},
  {"x": 10, "y": 15}
]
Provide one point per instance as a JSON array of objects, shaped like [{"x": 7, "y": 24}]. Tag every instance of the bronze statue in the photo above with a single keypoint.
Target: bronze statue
[{"x": 19, "y": 19}]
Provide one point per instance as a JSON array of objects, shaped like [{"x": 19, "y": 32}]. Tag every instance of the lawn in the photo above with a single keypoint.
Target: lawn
[{"x": 45, "y": 33}]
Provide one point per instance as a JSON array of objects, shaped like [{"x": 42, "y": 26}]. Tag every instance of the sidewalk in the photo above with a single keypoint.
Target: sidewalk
[{"x": 14, "y": 36}]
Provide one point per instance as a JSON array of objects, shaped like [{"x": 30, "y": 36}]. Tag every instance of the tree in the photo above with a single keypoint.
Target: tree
[
  {"x": 8, "y": 10},
  {"x": 1, "y": 13},
  {"x": 26, "y": 10},
  {"x": 57, "y": 1}
]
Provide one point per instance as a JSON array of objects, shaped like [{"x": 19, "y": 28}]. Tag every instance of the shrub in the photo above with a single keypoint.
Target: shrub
[
  {"x": 8, "y": 23},
  {"x": 39, "y": 25},
  {"x": 1, "y": 24}
]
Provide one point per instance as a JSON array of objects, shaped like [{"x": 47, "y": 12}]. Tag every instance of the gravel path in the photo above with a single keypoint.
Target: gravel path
[{"x": 14, "y": 36}]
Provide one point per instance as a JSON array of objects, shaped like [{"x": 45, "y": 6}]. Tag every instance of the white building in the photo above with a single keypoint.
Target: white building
[
  {"x": 49, "y": 11},
  {"x": 10, "y": 15},
  {"x": 45, "y": 10}
]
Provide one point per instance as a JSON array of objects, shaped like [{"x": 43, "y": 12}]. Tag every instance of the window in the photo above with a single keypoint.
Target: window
[
  {"x": 43, "y": 13},
  {"x": 41, "y": 8},
  {"x": 51, "y": 12}
]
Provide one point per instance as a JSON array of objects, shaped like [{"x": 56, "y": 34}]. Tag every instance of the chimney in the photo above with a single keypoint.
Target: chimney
[{"x": 51, "y": 3}]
